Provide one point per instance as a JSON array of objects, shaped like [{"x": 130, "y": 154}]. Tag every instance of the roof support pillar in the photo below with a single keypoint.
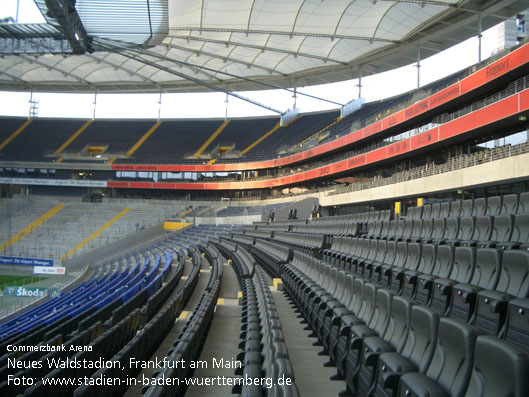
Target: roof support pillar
[
  {"x": 479, "y": 37},
  {"x": 418, "y": 66},
  {"x": 359, "y": 85}
]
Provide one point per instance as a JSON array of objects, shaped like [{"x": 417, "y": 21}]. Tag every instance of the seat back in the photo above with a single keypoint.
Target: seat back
[
  {"x": 464, "y": 262},
  {"x": 445, "y": 210},
  {"x": 400, "y": 228},
  {"x": 399, "y": 322},
  {"x": 416, "y": 228},
  {"x": 493, "y": 205},
  {"x": 392, "y": 229},
  {"x": 455, "y": 209},
  {"x": 467, "y": 225},
  {"x": 520, "y": 232},
  {"x": 439, "y": 227},
  {"x": 514, "y": 275},
  {"x": 408, "y": 228},
  {"x": 451, "y": 364},
  {"x": 428, "y": 256},
  {"x": 348, "y": 296},
  {"x": 502, "y": 228},
  {"x": 368, "y": 302},
  {"x": 426, "y": 211},
  {"x": 427, "y": 228},
  {"x": 384, "y": 229},
  {"x": 466, "y": 207},
  {"x": 381, "y": 314},
  {"x": 452, "y": 228},
  {"x": 523, "y": 203},
  {"x": 444, "y": 261},
  {"x": 420, "y": 342},
  {"x": 381, "y": 250},
  {"x": 391, "y": 252},
  {"x": 413, "y": 256},
  {"x": 385, "y": 215},
  {"x": 436, "y": 211},
  {"x": 509, "y": 204},
  {"x": 358, "y": 292},
  {"x": 487, "y": 269},
  {"x": 483, "y": 229},
  {"x": 418, "y": 212},
  {"x": 504, "y": 375},
  {"x": 402, "y": 252},
  {"x": 480, "y": 207}
]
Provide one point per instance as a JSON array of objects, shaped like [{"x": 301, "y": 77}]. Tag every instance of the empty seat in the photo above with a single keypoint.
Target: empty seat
[
  {"x": 376, "y": 327},
  {"x": 436, "y": 211},
  {"x": 520, "y": 233},
  {"x": 452, "y": 231},
  {"x": 455, "y": 208},
  {"x": 482, "y": 232},
  {"x": 467, "y": 225},
  {"x": 438, "y": 230},
  {"x": 412, "y": 262},
  {"x": 445, "y": 210},
  {"x": 466, "y": 207},
  {"x": 426, "y": 265},
  {"x": 444, "y": 260},
  {"x": 509, "y": 204},
  {"x": 499, "y": 369},
  {"x": 416, "y": 353},
  {"x": 385, "y": 215},
  {"x": 480, "y": 207},
  {"x": 392, "y": 229},
  {"x": 523, "y": 203},
  {"x": 491, "y": 308},
  {"x": 426, "y": 211},
  {"x": 501, "y": 231},
  {"x": 485, "y": 277},
  {"x": 451, "y": 365},
  {"x": 462, "y": 271},
  {"x": 426, "y": 231},
  {"x": 493, "y": 205},
  {"x": 416, "y": 233},
  {"x": 393, "y": 339}
]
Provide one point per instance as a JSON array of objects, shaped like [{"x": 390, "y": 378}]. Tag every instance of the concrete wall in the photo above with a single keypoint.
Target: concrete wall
[
  {"x": 505, "y": 170},
  {"x": 304, "y": 208},
  {"x": 225, "y": 220}
]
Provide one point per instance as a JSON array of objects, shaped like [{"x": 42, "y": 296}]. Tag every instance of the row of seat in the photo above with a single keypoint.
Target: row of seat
[
  {"x": 103, "y": 348},
  {"x": 508, "y": 204},
  {"x": 242, "y": 260},
  {"x": 264, "y": 353},
  {"x": 187, "y": 347},
  {"x": 502, "y": 231},
  {"x": 472, "y": 284},
  {"x": 374, "y": 337},
  {"x": 271, "y": 255}
]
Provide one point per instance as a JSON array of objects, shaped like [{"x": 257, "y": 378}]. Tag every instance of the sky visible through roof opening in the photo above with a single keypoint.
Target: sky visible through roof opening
[{"x": 205, "y": 105}]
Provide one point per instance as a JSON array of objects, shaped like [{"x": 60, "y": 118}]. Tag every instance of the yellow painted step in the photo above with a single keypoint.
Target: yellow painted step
[
  {"x": 211, "y": 138},
  {"x": 28, "y": 229},
  {"x": 15, "y": 134},
  {"x": 95, "y": 234},
  {"x": 71, "y": 139},
  {"x": 144, "y": 138}
]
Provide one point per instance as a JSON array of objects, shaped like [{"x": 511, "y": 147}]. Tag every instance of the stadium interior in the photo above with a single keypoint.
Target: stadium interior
[{"x": 379, "y": 248}]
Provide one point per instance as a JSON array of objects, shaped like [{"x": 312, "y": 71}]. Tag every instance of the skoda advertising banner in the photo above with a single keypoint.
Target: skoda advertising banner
[{"x": 33, "y": 292}]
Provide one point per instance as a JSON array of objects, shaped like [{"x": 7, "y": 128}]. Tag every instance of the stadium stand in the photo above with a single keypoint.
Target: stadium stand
[{"x": 422, "y": 293}]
